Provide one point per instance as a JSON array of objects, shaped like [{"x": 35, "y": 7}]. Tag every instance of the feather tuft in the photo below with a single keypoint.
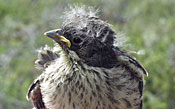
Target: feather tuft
[{"x": 46, "y": 55}]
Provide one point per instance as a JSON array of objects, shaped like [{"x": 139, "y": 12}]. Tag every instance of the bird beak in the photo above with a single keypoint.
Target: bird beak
[{"x": 54, "y": 34}]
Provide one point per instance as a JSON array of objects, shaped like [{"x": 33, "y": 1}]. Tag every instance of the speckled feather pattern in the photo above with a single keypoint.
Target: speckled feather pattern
[
  {"x": 94, "y": 74},
  {"x": 71, "y": 85}
]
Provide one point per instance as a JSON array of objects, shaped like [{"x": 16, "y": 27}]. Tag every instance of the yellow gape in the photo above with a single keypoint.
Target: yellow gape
[
  {"x": 62, "y": 38},
  {"x": 53, "y": 34}
]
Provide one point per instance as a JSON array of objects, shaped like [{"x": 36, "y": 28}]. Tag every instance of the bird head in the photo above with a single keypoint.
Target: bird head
[{"x": 83, "y": 36}]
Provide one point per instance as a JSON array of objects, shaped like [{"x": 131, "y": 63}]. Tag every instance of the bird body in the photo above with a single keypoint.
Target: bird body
[{"x": 89, "y": 74}]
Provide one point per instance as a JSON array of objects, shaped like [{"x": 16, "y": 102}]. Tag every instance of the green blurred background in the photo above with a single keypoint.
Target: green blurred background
[{"x": 149, "y": 26}]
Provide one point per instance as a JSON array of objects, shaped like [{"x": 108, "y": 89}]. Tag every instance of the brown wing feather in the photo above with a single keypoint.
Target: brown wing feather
[
  {"x": 34, "y": 94},
  {"x": 45, "y": 57}
]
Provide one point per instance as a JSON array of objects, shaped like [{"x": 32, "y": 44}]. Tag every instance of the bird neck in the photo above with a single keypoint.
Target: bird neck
[{"x": 103, "y": 58}]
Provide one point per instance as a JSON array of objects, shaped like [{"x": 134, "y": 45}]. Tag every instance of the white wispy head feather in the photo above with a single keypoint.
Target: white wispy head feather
[
  {"x": 79, "y": 14},
  {"x": 120, "y": 40}
]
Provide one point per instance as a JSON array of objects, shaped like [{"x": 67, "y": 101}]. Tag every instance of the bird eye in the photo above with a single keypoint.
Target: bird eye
[{"x": 77, "y": 40}]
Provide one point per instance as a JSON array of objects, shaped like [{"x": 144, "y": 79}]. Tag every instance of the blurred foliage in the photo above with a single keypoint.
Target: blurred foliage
[{"x": 149, "y": 25}]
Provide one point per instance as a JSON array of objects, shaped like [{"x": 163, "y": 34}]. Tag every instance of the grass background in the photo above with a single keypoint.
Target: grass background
[{"x": 149, "y": 26}]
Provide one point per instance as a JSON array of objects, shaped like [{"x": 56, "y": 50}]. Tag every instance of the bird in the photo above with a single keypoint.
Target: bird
[{"x": 86, "y": 69}]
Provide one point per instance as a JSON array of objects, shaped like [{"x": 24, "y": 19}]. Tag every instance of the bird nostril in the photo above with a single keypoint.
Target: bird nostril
[{"x": 59, "y": 31}]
